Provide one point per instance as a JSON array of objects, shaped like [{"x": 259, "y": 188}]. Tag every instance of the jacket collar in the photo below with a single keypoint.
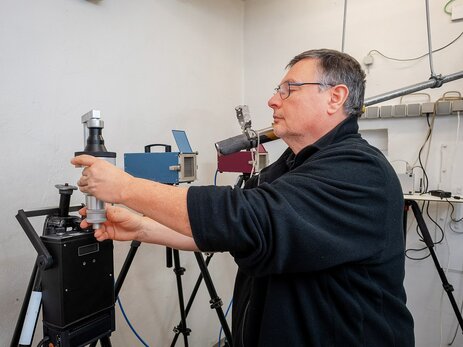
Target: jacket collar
[{"x": 347, "y": 127}]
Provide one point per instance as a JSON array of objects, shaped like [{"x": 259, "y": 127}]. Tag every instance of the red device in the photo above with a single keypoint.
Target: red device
[{"x": 242, "y": 161}]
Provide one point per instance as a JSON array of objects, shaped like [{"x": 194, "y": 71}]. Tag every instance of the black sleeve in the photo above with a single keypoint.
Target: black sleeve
[{"x": 331, "y": 210}]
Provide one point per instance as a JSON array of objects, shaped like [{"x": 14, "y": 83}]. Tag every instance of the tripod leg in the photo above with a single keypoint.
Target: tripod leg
[
  {"x": 196, "y": 287},
  {"x": 182, "y": 327},
  {"x": 216, "y": 302},
  {"x": 125, "y": 268},
  {"x": 430, "y": 244},
  {"x": 105, "y": 342},
  {"x": 192, "y": 296},
  {"x": 169, "y": 257}
]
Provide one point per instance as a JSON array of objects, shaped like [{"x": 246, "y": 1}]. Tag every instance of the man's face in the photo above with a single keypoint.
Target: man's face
[{"x": 298, "y": 120}]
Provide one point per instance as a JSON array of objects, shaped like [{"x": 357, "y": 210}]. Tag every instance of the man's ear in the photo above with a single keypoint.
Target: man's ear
[{"x": 338, "y": 97}]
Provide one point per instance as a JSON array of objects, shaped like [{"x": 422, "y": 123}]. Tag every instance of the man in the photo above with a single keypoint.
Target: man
[{"x": 317, "y": 236}]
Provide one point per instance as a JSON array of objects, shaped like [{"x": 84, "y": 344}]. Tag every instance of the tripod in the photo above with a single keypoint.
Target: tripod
[
  {"x": 430, "y": 245},
  {"x": 215, "y": 301}
]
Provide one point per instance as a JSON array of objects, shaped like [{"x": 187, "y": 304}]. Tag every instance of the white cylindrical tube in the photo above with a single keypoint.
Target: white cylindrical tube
[{"x": 31, "y": 319}]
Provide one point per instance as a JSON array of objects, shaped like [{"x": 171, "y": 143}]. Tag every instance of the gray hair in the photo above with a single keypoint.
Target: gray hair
[{"x": 339, "y": 68}]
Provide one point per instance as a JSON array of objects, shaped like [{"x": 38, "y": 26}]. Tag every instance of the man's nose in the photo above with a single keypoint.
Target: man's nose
[{"x": 274, "y": 101}]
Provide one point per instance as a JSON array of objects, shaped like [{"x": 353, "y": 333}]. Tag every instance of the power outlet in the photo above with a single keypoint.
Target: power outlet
[{"x": 443, "y": 108}]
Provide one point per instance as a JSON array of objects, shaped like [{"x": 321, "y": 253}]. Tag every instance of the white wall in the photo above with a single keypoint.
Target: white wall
[
  {"x": 275, "y": 31},
  {"x": 149, "y": 66}
]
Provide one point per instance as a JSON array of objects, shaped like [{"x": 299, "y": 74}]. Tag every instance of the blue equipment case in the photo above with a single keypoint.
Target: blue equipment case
[{"x": 164, "y": 167}]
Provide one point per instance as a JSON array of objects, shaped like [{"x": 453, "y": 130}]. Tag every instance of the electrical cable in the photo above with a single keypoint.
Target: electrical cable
[
  {"x": 419, "y": 57},
  {"x": 431, "y": 126},
  {"x": 455, "y": 231},
  {"x": 425, "y": 175},
  {"x": 426, "y": 141},
  {"x": 446, "y": 5},
  {"x": 253, "y": 159},
  {"x": 418, "y": 231},
  {"x": 453, "y": 221},
  {"x": 416, "y": 250},
  {"x": 130, "y": 324},
  {"x": 437, "y": 225},
  {"x": 451, "y": 213}
]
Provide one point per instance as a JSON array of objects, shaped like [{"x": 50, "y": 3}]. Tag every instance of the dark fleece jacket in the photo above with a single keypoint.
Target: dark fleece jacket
[{"x": 318, "y": 239}]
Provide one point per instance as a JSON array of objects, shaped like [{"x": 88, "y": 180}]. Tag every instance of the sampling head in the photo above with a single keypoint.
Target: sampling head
[{"x": 94, "y": 145}]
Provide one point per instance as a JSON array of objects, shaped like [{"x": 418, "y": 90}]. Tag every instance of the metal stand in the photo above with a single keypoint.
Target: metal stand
[
  {"x": 181, "y": 328},
  {"x": 190, "y": 301},
  {"x": 430, "y": 244},
  {"x": 215, "y": 301}
]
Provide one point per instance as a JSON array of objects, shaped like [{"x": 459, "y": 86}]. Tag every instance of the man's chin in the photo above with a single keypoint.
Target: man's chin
[{"x": 278, "y": 131}]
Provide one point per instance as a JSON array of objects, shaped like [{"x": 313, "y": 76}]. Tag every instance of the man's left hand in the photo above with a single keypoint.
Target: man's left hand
[{"x": 101, "y": 179}]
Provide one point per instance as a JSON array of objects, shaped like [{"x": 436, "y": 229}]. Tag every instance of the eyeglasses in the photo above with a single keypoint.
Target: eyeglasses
[{"x": 284, "y": 89}]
